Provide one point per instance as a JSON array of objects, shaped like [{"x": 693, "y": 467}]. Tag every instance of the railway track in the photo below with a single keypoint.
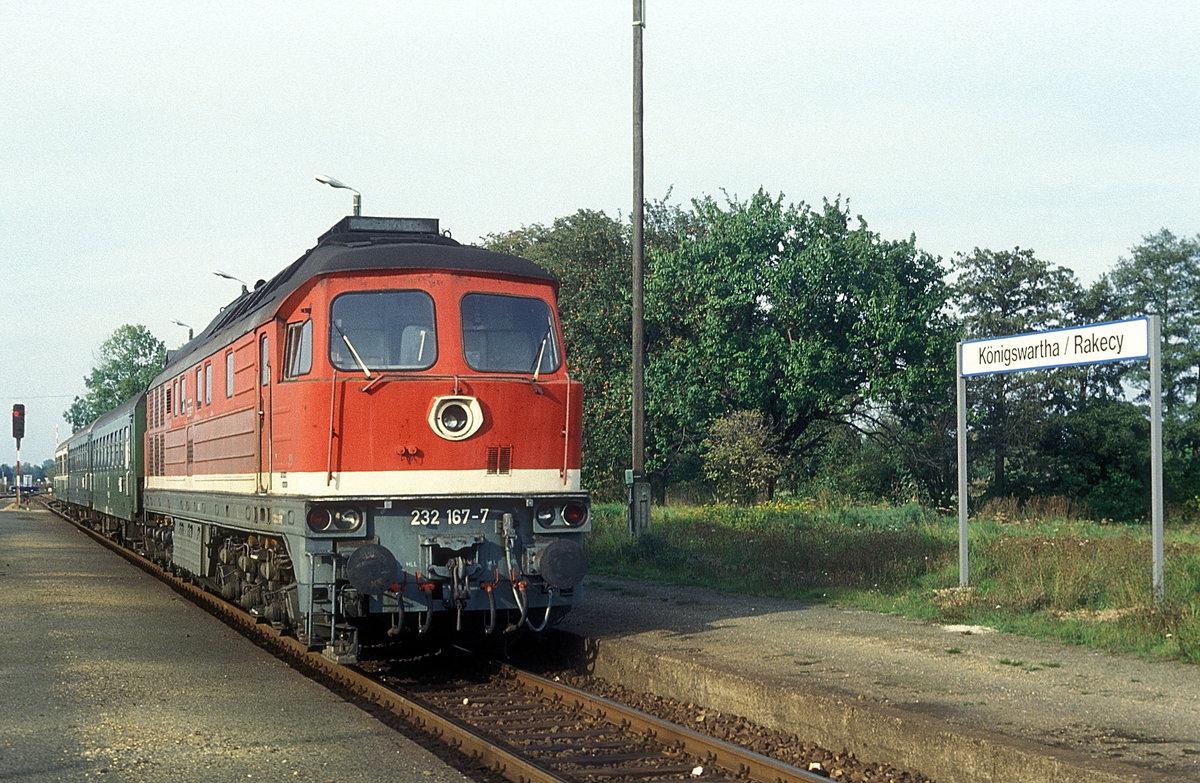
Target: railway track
[
  {"x": 578, "y": 736},
  {"x": 525, "y": 728}
]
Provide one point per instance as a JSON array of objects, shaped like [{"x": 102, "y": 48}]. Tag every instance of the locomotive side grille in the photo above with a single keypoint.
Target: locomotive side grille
[{"x": 499, "y": 460}]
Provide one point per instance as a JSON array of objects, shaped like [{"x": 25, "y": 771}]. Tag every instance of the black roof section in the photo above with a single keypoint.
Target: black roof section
[{"x": 354, "y": 243}]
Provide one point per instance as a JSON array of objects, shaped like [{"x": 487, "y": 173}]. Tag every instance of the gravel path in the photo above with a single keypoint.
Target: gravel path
[{"x": 108, "y": 675}]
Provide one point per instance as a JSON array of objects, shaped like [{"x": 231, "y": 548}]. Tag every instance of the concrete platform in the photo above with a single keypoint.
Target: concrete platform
[
  {"x": 956, "y": 704},
  {"x": 108, "y": 675}
]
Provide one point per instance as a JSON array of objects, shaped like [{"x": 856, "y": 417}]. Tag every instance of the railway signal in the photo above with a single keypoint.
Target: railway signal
[{"x": 18, "y": 418}]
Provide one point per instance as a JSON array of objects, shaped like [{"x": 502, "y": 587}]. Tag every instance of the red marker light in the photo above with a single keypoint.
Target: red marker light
[{"x": 18, "y": 419}]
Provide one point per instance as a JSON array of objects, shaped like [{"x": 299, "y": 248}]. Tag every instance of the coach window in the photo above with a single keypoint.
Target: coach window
[
  {"x": 297, "y": 360},
  {"x": 264, "y": 361},
  {"x": 199, "y": 386},
  {"x": 382, "y": 330},
  {"x": 508, "y": 334},
  {"x": 229, "y": 374}
]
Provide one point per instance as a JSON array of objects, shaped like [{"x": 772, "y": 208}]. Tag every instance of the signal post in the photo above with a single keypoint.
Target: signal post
[{"x": 18, "y": 431}]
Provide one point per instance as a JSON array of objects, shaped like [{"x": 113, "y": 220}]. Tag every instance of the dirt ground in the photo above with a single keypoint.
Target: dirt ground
[{"x": 1106, "y": 707}]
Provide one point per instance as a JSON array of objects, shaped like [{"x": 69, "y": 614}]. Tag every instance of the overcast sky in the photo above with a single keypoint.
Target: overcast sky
[{"x": 145, "y": 145}]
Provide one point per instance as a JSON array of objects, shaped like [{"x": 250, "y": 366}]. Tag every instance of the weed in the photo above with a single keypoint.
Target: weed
[
  {"x": 1056, "y": 577},
  {"x": 1011, "y": 662}
]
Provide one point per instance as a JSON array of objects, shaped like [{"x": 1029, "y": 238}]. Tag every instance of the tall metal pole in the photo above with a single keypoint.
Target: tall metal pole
[
  {"x": 639, "y": 489},
  {"x": 1156, "y": 455},
  {"x": 963, "y": 544}
]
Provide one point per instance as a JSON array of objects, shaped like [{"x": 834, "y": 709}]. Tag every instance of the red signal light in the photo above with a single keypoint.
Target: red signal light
[{"x": 18, "y": 419}]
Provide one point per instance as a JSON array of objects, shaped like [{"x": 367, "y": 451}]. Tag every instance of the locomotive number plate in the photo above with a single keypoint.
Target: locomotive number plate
[{"x": 436, "y": 517}]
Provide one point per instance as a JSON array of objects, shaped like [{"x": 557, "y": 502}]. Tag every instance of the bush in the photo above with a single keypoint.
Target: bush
[{"x": 739, "y": 458}]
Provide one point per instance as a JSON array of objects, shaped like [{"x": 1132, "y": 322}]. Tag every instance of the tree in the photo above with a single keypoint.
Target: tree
[
  {"x": 739, "y": 459},
  {"x": 789, "y": 310},
  {"x": 1101, "y": 456},
  {"x": 1001, "y": 293},
  {"x": 589, "y": 252},
  {"x": 126, "y": 364},
  {"x": 1162, "y": 276}
]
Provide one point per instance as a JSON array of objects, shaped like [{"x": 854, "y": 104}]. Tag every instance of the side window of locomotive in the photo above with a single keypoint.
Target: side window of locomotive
[
  {"x": 382, "y": 330},
  {"x": 298, "y": 358},
  {"x": 264, "y": 361},
  {"x": 504, "y": 333},
  {"x": 229, "y": 374}
]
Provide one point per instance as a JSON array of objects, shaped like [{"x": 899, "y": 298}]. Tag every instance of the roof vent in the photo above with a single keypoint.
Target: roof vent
[{"x": 382, "y": 226}]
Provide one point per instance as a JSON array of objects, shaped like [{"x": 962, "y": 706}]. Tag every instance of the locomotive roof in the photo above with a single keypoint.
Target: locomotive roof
[{"x": 353, "y": 244}]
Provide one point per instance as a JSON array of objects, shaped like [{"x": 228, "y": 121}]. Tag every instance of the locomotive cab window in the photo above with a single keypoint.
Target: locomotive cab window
[
  {"x": 504, "y": 333},
  {"x": 382, "y": 330},
  {"x": 298, "y": 358}
]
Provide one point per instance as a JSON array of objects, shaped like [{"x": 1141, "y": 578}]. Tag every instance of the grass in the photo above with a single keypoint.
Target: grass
[{"x": 1054, "y": 578}]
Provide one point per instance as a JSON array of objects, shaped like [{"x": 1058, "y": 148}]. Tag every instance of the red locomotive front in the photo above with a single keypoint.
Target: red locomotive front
[{"x": 393, "y": 437}]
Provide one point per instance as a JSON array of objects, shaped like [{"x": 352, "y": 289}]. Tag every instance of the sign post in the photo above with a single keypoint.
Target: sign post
[{"x": 1115, "y": 341}]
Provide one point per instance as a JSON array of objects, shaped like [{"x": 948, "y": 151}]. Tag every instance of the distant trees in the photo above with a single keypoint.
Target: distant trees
[
  {"x": 801, "y": 314},
  {"x": 30, "y": 472},
  {"x": 1000, "y": 293},
  {"x": 589, "y": 253},
  {"x": 1074, "y": 431},
  {"x": 125, "y": 364},
  {"x": 790, "y": 347}
]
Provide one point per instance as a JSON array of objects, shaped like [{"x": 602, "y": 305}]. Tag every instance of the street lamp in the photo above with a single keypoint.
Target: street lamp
[
  {"x": 228, "y": 276},
  {"x": 185, "y": 326},
  {"x": 325, "y": 179}
]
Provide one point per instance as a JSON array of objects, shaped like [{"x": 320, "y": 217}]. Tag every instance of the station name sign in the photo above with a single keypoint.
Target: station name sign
[{"x": 1108, "y": 342}]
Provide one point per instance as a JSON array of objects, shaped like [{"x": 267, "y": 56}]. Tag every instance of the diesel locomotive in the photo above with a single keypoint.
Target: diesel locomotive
[{"x": 381, "y": 439}]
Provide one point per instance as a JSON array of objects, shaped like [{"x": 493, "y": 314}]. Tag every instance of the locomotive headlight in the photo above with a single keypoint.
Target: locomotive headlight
[
  {"x": 456, "y": 418},
  {"x": 559, "y": 515},
  {"x": 347, "y": 519},
  {"x": 334, "y": 519},
  {"x": 453, "y": 418}
]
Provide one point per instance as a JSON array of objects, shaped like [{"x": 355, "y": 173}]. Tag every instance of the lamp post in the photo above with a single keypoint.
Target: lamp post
[
  {"x": 639, "y": 488},
  {"x": 185, "y": 326},
  {"x": 325, "y": 179},
  {"x": 228, "y": 276}
]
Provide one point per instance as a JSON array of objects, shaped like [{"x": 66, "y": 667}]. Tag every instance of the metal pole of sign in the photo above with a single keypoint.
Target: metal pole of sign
[
  {"x": 1156, "y": 454},
  {"x": 962, "y": 472}
]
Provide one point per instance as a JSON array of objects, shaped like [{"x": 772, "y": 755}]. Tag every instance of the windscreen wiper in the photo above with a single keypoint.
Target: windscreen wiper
[{"x": 357, "y": 359}]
